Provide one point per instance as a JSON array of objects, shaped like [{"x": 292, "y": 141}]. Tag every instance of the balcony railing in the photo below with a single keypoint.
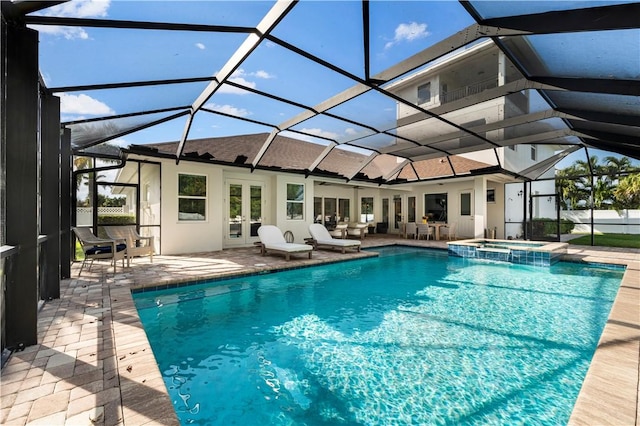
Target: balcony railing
[{"x": 463, "y": 92}]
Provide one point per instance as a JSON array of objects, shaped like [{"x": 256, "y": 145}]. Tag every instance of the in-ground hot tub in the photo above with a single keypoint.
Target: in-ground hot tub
[{"x": 535, "y": 253}]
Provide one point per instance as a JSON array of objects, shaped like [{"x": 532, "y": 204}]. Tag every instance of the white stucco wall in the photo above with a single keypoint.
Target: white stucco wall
[
  {"x": 191, "y": 236},
  {"x": 210, "y": 235}
]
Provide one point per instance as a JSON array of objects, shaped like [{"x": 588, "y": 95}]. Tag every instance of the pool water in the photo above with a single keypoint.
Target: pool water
[{"x": 411, "y": 337}]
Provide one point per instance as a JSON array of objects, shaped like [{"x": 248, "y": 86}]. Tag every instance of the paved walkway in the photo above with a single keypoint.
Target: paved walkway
[{"x": 93, "y": 364}]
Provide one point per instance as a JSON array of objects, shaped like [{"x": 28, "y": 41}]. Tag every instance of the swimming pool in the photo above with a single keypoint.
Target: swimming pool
[{"x": 413, "y": 337}]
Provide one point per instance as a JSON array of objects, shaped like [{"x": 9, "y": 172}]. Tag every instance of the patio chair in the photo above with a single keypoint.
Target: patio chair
[
  {"x": 449, "y": 231},
  {"x": 340, "y": 231},
  {"x": 137, "y": 245},
  {"x": 322, "y": 237},
  {"x": 98, "y": 248},
  {"x": 272, "y": 239},
  {"x": 411, "y": 230},
  {"x": 358, "y": 230},
  {"x": 424, "y": 230}
]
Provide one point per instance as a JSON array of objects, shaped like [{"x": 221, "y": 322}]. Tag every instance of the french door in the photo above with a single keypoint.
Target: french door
[
  {"x": 244, "y": 210},
  {"x": 466, "y": 224}
]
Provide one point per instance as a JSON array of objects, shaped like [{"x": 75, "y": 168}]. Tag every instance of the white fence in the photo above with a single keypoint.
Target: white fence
[
  {"x": 605, "y": 221},
  {"x": 84, "y": 215}
]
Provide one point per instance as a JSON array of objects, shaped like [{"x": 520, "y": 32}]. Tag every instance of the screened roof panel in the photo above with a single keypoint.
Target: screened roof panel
[
  {"x": 406, "y": 80},
  {"x": 411, "y": 25},
  {"x": 149, "y": 55},
  {"x": 603, "y": 54},
  {"x": 243, "y": 13},
  {"x": 371, "y": 107},
  {"x": 433, "y": 168},
  {"x": 382, "y": 167},
  {"x": 342, "y": 162},
  {"x": 498, "y": 9},
  {"x": 614, "y": 129},
  {"x": 108, "y": 102},
  {"x": 331, "y": 128},
  {"x": 241, "y": 103},
  {"x": 292, "y": 76},
  {"x": 206, "y": 124},
  {"x": 382, "y": 142},
  {"x": 85, "y": 133},
  {"x": 421, "y": 152},
  {"x": 596, "y": 102},
  {"x": 291, "y": 154},
  {"x": 342, "y": 46}
]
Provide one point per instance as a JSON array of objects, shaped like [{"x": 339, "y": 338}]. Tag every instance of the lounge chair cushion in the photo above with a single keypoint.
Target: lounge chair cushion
[
  {"x": 322, "y": 237},
  {"x": 105, "y": 249},
  {"x": 272, "y": 238}
]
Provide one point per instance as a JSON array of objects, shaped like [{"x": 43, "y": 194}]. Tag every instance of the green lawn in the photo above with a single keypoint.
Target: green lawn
[{"x": 609, "y": 240}]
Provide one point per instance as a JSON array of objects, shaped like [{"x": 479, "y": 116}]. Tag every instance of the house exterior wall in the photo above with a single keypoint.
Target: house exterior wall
[
  {"x": 191, "y": 236},
  {"x": 180, "y": 237}
]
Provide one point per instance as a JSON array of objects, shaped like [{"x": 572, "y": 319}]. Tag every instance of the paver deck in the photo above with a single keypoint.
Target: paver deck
[{"x": 93, "y": 364}]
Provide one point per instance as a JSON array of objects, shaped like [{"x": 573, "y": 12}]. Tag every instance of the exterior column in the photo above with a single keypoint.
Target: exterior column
[
  {"x": 20, "y": 124},
  {"x": 480, "y": 206},
  {"x": 66, "y": 242},
  {"x": 50, "y": 196}
]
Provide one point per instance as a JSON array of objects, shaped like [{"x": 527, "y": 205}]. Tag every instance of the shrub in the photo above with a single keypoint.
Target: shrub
[
  {"x": 114, "y": 219},
  {"x": 541, "y": 227}
]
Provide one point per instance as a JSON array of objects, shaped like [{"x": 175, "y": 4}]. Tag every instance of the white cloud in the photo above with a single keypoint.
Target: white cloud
[
  {"x": 228, "y": 109},
  {"x": 200, "y": 46},
  {"x": 70, "y": 33},
  {"x": 263, "y": 74},
  {"x": 320, "y": 132},
  {"x": 408, "y": 32},
  {"x": 237, "y": 91},
  {"x": 74, "y": 9},
  {"x": 83, "y": 104},
  {"x": 80, "y": 9},
  {"x": 351, "y": 131},
  {"x": 243, "y": 78}
]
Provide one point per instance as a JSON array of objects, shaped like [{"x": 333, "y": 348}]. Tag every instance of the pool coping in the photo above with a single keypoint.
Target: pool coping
[{"x": 137, "y": 394}]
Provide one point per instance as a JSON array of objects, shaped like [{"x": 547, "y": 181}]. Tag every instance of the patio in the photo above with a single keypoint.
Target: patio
[{"x": 93, "y": 363}]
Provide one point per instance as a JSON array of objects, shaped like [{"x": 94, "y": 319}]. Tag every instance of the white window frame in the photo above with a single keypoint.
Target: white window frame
[
  {"x": 290, "y": 202},
  {"x": 193, "y": 197},
  {"x": 534, "y": 153}
]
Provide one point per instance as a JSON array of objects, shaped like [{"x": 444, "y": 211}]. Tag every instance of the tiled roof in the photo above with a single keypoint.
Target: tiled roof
[{"x": 296, "y": 155}]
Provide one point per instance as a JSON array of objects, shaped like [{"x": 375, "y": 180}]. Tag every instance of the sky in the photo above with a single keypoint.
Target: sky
[{"x": 330, "y": 30}]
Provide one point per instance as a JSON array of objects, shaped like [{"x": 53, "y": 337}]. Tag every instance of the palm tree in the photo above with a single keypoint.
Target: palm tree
[{"x": 627, "y": 193}]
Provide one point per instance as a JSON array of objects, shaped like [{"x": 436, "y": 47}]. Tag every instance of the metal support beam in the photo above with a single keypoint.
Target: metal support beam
[
  {"x": 20, "y": 124},
  {"x": 66, "y": 242},
  {"x": 50, "y": 196}
]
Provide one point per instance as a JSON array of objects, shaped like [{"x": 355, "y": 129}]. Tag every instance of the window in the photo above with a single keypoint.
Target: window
[
  {"x": 491, "y": 195},
  {"x": 192, "y": 197},
  {"x": 435, "y": 207},
  {"x": 366, "y": 209},
  {"x": 465, "y": 204},
  {"x": 411, "y": 210},
  {"x": 534, "y": 154},
  {"x": 424, "y": 93},
  {"x": 513, "y": 147},
  {"x": 344, "y": 209},
  {"x": 295, "y": 201}
]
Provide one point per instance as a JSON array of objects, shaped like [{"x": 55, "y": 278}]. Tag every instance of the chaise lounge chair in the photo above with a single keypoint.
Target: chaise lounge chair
[
  {"x": 98, "y": 248},
  {"x": 321, "y": 237},
  {"x": 272, "y": 239}
]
